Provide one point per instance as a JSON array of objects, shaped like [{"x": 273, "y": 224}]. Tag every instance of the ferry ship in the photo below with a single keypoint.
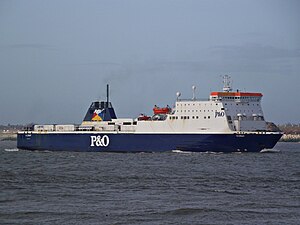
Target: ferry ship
[{"x": 225, "y": 122}]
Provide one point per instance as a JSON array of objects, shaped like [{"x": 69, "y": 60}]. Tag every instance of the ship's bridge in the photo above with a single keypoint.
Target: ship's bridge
[{"x": 236, "y": 96}]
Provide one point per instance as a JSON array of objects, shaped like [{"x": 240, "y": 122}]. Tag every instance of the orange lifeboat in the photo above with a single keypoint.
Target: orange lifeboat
[
  {"x": 143, "y": 117},
  {"x": 158, "y": 110}
]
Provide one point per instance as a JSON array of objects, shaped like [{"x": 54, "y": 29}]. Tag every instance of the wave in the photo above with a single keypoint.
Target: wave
[
  {"x": 190, "y": 152},
  {"x": 182, "y": 152},
  {"x": 11, "y": 149},
  {"x": 270, "y": 151}
]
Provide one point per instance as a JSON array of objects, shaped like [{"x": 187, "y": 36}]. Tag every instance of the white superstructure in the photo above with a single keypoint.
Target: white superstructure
[{"x": 223, "y": 112}]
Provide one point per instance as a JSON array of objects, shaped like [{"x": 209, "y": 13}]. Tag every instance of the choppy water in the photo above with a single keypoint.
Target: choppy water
[{"x": 149, "y": 188}]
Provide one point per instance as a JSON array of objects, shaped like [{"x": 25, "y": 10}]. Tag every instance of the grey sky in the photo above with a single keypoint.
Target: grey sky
[{"x": 57, "y": 56}]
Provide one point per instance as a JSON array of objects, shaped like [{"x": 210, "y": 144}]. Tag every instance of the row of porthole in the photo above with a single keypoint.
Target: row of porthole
[
  {"x": 196, "y": 110},
  {"x": 195, "y": 104},
  {"x": 187, "y": 117},
  {"x": 191, "y": 104},
  {"x": 246, "y": 111},
  {"x": 240, "y": 104}
]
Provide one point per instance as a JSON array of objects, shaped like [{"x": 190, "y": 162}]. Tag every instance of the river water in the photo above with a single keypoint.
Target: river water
[{"x": 149, "y": 188}]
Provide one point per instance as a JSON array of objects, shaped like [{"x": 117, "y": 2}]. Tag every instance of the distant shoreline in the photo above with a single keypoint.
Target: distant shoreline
[
  {"x": 290, "y": 138},
  {"x": 12, "y": 136},
  {"x": 8, "y": 136}
]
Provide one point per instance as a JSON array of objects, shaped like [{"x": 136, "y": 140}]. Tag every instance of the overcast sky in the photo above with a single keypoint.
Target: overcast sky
[{"x": 57, "y": 56}]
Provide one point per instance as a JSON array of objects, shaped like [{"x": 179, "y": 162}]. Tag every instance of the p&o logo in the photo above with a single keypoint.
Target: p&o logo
[
  {"x": 219, "y": 114},
  {"x": 99, "y": 141}
]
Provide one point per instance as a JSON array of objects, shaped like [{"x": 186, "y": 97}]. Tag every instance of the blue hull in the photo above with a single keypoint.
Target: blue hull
[{"x": 101, "y": 142}]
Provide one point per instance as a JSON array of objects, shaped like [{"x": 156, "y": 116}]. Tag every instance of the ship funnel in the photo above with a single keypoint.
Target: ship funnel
[{"x": 101, "y": 110}]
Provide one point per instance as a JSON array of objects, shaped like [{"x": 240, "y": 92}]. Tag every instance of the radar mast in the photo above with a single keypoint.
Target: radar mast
[{"x": 227, "y": 83}]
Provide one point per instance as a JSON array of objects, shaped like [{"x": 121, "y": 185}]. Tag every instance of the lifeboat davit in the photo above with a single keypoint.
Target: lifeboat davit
[{"x": 158, "y": 110}]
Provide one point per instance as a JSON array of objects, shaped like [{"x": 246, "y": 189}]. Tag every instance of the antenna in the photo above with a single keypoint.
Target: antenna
[
  {"x": 227, "y": 82},
  {"x": 194, "y": 88},
  {"x": 178, "y": 95},
  {"x": 107, "y": 94}
]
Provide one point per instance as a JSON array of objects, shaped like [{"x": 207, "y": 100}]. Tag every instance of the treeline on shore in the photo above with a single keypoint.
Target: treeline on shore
[
  {"x": 290, "y": 128},
  {"x": 291, "y": 132}
]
